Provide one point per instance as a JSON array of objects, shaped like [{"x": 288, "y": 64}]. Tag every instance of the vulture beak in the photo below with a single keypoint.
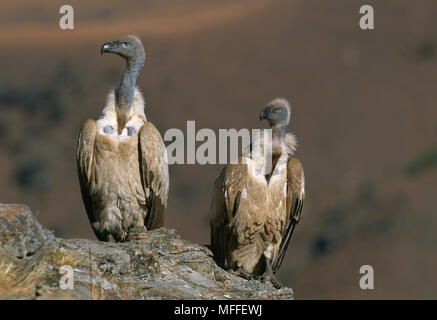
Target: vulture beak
[
  {"x": 107, "y": 47},
  {"x": 264, "y": 114}
]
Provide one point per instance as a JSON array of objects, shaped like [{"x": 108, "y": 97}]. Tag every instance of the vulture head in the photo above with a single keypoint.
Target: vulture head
[
  {"x": 129, "y": 47},
  {"x": 277, "y": 113}
]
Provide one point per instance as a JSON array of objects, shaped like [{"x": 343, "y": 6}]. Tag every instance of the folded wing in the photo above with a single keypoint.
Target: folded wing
[
  {"x": 295, "y": 199},
  {"x": 84, "y": 158},
  {"x": 154, "y": 174}
]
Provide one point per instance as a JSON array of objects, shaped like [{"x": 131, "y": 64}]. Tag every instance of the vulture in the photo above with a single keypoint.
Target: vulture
[
  {"x": 121, "y": 158},
  {"x": 255, "y": 209}
]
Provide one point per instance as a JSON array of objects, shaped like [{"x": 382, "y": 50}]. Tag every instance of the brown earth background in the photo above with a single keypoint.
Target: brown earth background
[{"x": 363, "y": 110}]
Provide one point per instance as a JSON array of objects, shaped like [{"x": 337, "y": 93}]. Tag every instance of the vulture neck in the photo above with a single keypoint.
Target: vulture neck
[
  {"x": 278, "y": 135},
  {"x": 126, "y": 91}
]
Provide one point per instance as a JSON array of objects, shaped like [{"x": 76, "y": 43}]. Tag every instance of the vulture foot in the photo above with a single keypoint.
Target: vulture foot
[
  {"x": 241, "y": 273},
  {"x": 268, "y": 276},
  {"x": 272, "y": 280},
  {"x": 110, "y": 238},
  {"x": 137, "y": 233}
]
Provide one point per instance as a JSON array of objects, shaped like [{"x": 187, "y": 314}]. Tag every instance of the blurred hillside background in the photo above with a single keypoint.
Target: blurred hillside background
[{"x": 364, "y": 112}]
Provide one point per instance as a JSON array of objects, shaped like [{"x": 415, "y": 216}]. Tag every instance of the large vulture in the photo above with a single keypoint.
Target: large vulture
[
  {"x": 255, "y": 211},
  {"x": 122, "y": 159}
]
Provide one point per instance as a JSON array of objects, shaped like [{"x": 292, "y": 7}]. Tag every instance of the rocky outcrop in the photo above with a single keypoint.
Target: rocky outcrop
[{"x": 34, "y": 264}]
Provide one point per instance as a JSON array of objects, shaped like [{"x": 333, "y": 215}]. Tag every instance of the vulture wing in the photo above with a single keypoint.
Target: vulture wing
[
  {"x": 295, "y": 198},
  {"x": 226, "y": 200},
  {"x": 84, "y": 157},
  {"x": 154, "y": 174}
]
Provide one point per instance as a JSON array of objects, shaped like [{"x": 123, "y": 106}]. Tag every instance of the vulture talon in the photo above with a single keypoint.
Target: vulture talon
[
  {"x": 242, "y": 274},
  {"x": 137, "y": 233},
  {"x": 272, "y": 279}
]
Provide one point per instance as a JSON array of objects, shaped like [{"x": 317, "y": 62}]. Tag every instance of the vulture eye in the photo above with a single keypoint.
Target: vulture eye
[
  {"x": 277, "y": 110},
  {"x": 125, "y": 44}
]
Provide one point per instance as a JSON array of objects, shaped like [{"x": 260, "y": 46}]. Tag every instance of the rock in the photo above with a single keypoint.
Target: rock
[{"x": 158, "y": 265}]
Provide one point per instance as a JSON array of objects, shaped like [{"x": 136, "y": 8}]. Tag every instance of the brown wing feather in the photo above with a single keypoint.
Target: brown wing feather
[
  {"x": 84, "y": 157},
  {"x": 295, "y": 198},
  {"x": 154, "y": 174},
  {"x": 224, "y": 207}
]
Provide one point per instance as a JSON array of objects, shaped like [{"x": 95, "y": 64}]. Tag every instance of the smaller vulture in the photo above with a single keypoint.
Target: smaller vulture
[
  {"x": 122, "y": 159},
  {"x": 255, "y": 211}
]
